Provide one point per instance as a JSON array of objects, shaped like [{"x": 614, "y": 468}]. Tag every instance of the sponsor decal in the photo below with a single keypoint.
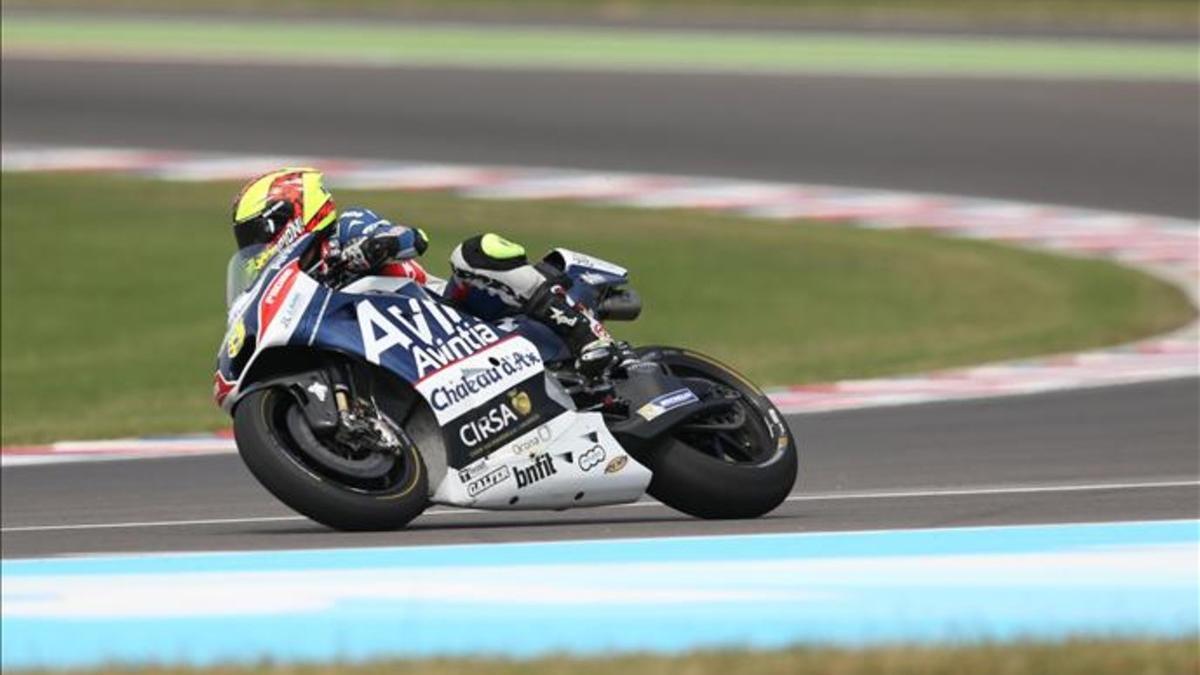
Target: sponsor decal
[
  {"x": 592, "y": 458},
  {"x": 488, "y": 481},
  {"x": 279, "y": 289},
  {"x": 434, "y": 334},
  {"x": 237, "y": 338},
  {"x": 260, "y": 261},
  {"x": 473, "y": 470},
  {"x": 560, "y": 317},
  {"x": 293, "y": 231},
  {"x": 669, "y": 401},
  {"x": 492, "y": 422},
  {"x": 528, "y": 443},
  {"x": 593, "y": 278},
  {"x": 479, "y": 380},
  {"x": 617, "y": 464},
  {"x": 495, "y": 420},
  {"x": 452, "y": 392},
  {"x": 520, "y": 402},
  {"x": 319, "y": 390},
  {"x": 291, "y": 311},
  {"x": 541, "y": 469}
]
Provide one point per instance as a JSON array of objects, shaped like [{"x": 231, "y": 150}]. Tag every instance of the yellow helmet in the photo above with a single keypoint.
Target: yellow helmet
[{"x": 278, "y": 207}]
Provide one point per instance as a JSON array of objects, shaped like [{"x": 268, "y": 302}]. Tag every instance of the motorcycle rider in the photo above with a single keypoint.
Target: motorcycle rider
[{"x": 491, "y": 276}]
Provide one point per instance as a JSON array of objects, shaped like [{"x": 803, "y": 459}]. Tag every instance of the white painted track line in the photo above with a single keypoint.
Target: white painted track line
[{"x": 812, "y": 497}]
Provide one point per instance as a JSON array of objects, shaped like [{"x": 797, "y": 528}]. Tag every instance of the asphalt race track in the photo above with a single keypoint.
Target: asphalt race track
[
  {"x": 1121, "y": 453},
  {"x": 1128, "y": 146}
]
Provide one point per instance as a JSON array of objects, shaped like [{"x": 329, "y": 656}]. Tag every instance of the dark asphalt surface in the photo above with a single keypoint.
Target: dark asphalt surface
[
  {"x": 506, "y": 16},
  {"x": 1121, "y": 145},
  {"x": 1012, "y": 457}
]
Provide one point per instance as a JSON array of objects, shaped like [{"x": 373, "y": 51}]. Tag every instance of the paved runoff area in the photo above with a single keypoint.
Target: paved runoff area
[{"x": 598, "y": 597}]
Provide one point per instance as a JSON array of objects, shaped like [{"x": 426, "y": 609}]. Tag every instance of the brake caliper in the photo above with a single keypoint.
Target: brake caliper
[{"x": 361, "y": 427}]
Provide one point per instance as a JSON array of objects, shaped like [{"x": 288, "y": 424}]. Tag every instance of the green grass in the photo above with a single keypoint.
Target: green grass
[
  {"x": 1072, "y": 657},
  {"x": 598, "y": 49},
  {"x": 112, "y": 294}
]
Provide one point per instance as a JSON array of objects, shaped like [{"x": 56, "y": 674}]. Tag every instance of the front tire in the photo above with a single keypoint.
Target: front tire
[
  {"x": 692, "y": 474},
  {"x": 393, "y": 497}
]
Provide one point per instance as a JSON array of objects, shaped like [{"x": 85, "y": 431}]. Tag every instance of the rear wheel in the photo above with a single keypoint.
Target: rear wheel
[
  {"x": 737, "y": 462},
  {"x": 340, "y": 487}
]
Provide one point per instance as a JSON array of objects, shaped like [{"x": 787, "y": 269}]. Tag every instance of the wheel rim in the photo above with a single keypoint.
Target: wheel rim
[
  {"x": 371, "y": 473},
  {"x": 737, "y": 434}
]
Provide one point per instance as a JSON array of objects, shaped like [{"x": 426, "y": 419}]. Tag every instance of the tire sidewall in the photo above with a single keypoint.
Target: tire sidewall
[{"x": 706, "y": 487}]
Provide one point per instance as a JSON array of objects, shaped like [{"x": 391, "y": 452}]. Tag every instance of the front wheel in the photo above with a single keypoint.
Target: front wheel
[
  {"x": 740, "y": 462},
  {"x": 335, "y": 487}
]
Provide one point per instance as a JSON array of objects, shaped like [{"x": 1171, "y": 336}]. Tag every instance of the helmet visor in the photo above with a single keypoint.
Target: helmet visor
[
  {"x": 266, "y": 226},
  {"x": 241, "y": 272}
]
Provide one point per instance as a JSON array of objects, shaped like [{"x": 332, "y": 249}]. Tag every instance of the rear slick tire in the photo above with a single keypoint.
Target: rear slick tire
[
  {"x": 267, "y": 452},
  {"x": 705, "y": 486}
]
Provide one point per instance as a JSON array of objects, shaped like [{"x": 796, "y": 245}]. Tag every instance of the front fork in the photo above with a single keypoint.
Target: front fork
[{"x": 339, "y": 402}]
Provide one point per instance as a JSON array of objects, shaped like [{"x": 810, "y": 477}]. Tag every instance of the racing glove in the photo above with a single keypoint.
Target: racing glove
[
  {"x": 363, "y": 242},
  {"x": 365, "y": 253}
]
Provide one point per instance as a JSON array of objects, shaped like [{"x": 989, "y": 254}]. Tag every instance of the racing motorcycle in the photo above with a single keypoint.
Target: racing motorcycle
[{"x": 360, "y": 404}]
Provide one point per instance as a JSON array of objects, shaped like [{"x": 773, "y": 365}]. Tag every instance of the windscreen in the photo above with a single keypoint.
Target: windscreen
[{"x": 241, "y": 273}]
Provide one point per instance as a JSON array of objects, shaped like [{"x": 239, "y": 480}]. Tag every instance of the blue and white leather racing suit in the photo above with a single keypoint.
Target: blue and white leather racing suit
[{"x": 491, "y": 278}]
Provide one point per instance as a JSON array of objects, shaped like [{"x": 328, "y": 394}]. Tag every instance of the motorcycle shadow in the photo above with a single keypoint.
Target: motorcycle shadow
[
  {"x": 550, "y": 522},
  {"x": 426, "y": 525}
]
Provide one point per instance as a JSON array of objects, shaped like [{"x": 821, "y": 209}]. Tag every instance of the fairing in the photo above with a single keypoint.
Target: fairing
[
  {"x": 485, "y": 383},
  {"x": 590, "y": 276}
]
